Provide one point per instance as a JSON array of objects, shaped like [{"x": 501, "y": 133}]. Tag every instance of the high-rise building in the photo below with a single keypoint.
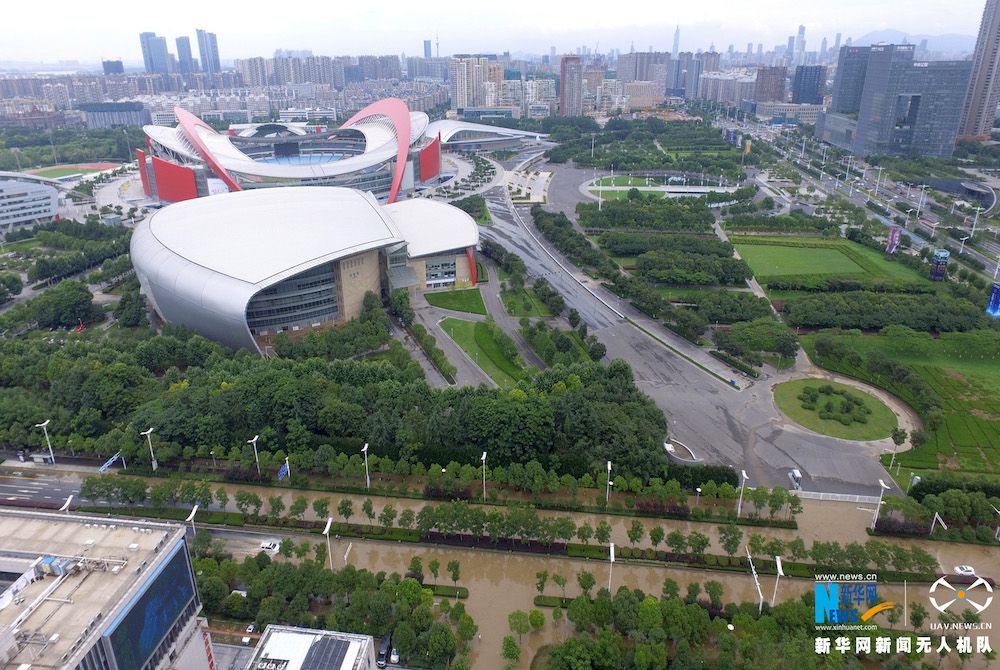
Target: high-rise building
[
  {"x": 983, "y": 95},
  {"x": 808, "y": 84},
  {"x": 113, "y": 67},
  {"x": 467, "y": 74},
  {"x": 770, "y": 86},
  {"x": 691, "y": 77},
  {"x": 639, "y": 65},
  {"x": 800, "y": 46},
  {"x": 712, "y": 60},
  {"x": 905, "y": 108},
  {"x": 208, "y": 52},
  {"x": 836, "y": 45},
  {"x": 790, "y": 50},
  {"x": 571, "y": 86},
  {"x": 677, "y": 42},
  {"x": 822, "y": 50},
  {"x": 427, "y": 48},
  {"x": 849, "y": 83},
  {"x": 155, "y": 57},
  {"x": 185, "y": 61}
]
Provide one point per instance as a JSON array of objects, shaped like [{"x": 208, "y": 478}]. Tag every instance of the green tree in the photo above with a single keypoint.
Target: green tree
[
  {"x": 434, "y": 565},
  {"x": 346, "y": 509},
  {"x": 918, "y": 614},
  {"x": 441, "y": 643},
  {"x": 455, "y": 570},
  {"x": 321, "y": 507},
  {"x": 584, "y": 533},
  {"x": 714, "y": 591},
  {"x": 541, "y": 578},
  {"x": 298, "y": 507},
  {"x": 730, "y": 537},
  {"x": 670, "y": 589},
  {"x": 406, "y": 518},
  {"x": 222, "y": 497},
  {"x": 560, "y": 581},
  {"x": 656, "y": 535},
  {"x": 368, "y": 508},
  {"x": 677, "y": 542},
  {"x": 511, "y": 650},
  {"x": 277, "y": 505},
  {"x": 693, "y": 591},
  {"x": 536, "y": 619},
  {"x": 586, "y": 581},
  {"x": 387, "y": 517},
  {"x": 519, "y": 623},
  {"x": 636, "y": 532},
  {"x": 603, "y": 532}
]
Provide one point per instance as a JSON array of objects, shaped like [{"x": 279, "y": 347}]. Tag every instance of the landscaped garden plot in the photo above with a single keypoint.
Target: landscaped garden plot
[
  {"x": 463, "y": 300},
  {"x": 475, "y": 338},
  {"x": 771, "y": 261},
  {"x": 835, "y": 409}
]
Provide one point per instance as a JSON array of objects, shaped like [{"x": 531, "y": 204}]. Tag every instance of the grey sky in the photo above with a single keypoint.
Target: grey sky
[{"x": 64, "y": 29}]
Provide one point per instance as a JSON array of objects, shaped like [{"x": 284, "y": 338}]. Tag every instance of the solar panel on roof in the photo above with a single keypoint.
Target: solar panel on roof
[{"x": 326, "y": 654}]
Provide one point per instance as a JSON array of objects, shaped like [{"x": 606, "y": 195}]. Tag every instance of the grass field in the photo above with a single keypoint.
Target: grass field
[
  {"x": 62, "y": 171},
  {"x": 881, "y": 421},
  {"x": 523, "y": 303},
  {"x": 963, "y": 368},
  {"x": 778, "y": 257},
  {"x": 681, "y": 293},
  {"x": 474, "y": 337},
  {"x": 615, "y": 195},
  {"x": 462, "y": 300},
  {"x": 482, "y": 277}
]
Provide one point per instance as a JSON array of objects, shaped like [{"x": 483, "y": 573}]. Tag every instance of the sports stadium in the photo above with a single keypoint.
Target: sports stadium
[
  {"x": 242, "y": 267},
  {"x": 384, "y": 148}
]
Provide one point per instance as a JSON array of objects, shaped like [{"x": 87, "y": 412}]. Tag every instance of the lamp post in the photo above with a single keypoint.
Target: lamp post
[
  {"x": 194, "y": 510},
  {"x": 913, "y": 479},
  {"x": 212, "y": 453},
  {"x": 368, "y": 479},
  {"x": 878, "y": 179},
  {"x": 908, "y": 212},
  {"x": 607, "y": 492},
  {"x": 256, "y": 458},
  {"x": 611, "y": 567},
  {"x": 149, "y": 440},
  {"x": 976, "y": 220},
  {"x": 65, "y": 507},
  {"x": 779, "y": 575},
  {"x": 881, "y": 491},
  {"x": 697, "y": 496},
  {"x": 483, "y": 459},
  {"x": 920, "y": 203},
  {"x": 961, "y": 249},
  {"x": 743, "y": 485},
  {"x": 52, "y": 457},
  {"x": 326, "y": 531}
]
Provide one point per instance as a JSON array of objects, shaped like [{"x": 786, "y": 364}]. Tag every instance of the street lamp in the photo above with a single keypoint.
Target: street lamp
[
  {"x": 743, "y": 485},
  {"x": 920, "y": 203},
  {"x": 326, "y": 531},
  {"x": 212, "y": 453},
  {"x": 607, "y": 492},
  {"x": 962, "y": 248},
  {"x": 882, "y": 489},
  {"x": 256, "y": 459},
  {"x": 913, "y": 480},
  {"x": 976, "y": 220},
  {"x": 908, "y": 212},
  {"x": 483, "y": 459},
  {"x": 878, "y": 179},
  {"x": 65, "y": 507},
  {"x": 779, "y": 575},
  {"x": 698, "y": 496},
  {"x": 611, "y": 567},
  {"x": 368, "y": 479},
  {"x": 52, "y": 457},
  {"x": 149, "y": 441},
  {"x": 194, "y": 510}
]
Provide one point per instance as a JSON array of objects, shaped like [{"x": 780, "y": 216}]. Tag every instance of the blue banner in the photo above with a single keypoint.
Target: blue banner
[
  {"x": 111, "y": 461},
  {"x": 283, "y": 471}
]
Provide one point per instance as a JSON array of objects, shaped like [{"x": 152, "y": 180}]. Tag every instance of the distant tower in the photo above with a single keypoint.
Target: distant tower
[
  {"x": 984, "y": 88},
  {"x": 427, "y": 48},
  {"x": 437, "y": 45},
  {"x": 677, "y": 42},
  {"x": 800, "y": 46},
  {"x": 939, "y": 264}
]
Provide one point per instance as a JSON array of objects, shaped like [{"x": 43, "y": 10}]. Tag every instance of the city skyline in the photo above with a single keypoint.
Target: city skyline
[{"x": 515, "y": 26}]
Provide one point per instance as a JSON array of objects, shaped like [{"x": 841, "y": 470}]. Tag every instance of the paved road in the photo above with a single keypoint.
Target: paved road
[
  {"x": 722, "y": 425},
  {"x": 468, "y": 373},
  {"x": 509, "y": 324}
]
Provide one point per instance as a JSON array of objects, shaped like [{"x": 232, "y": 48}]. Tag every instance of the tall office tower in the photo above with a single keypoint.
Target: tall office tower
[
  {"x": 552, "y": 56},
  {"x": 770, "y": 86},
  {"x": 677, "y": 42},
  {"x": 800, "y": 46},
  {"x": 822, "y": 50},
  {"x": 836, "y": 45},
  {"x": 427, "y": 48},
  {"x": 850, "y": 80},
  {"x": 208, "y": 52},
  {"x": 185, "y": 60},
  {"x": 808, "y": 84},
  {"x": 113, "y": 67},
  {"x": 749, "y": 49},
  {"x": 905, "y": 108},
  {"x": 790, "y": 51},
  {"x": 154, "y": 53},
  {"x": 691, "y": 77},
  {"x": 570, "y": 86},
  {"x": 984, "y": 89}
]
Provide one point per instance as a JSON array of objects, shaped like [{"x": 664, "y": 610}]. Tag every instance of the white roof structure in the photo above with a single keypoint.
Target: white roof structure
[
  {"x": 452, "y": 131},
  {"x": 201, "y": 261},
  {"x": 311, "y": 649}
]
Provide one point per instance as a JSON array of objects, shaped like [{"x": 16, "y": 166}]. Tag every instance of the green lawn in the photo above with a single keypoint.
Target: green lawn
[
  {"x": 681, "y": 293},
  {"x": 880, "y": 424},
  {"x": 56, "y": 172},
  {"x": 777, "y": 257},
  {"x": 963, "y": 369},
  {"x": 461, "y": 300},
  {"x": 474, "y": 337},
  {"x": 482, "y": 277},
  {"x": 523, "y": 303},
  {"x": 21, "y": 246}
]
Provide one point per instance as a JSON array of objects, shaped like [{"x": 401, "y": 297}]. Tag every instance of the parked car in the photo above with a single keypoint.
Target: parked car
[
  {"x": 394, "y": 656},
  {"x": 383, "y": 650},
  {"x": 250, "y": 628},
  {"x": 965, "y": 570},
  {"x": 270, "y": 546}
]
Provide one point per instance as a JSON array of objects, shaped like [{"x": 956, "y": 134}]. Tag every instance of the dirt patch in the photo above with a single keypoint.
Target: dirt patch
[
  {"x": 983, "y": 414},
  {"x": 952, "y": 374}
]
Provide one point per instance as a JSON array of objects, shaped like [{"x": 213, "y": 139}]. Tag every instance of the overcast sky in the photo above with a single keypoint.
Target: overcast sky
[{"x": 86, "y": 31}]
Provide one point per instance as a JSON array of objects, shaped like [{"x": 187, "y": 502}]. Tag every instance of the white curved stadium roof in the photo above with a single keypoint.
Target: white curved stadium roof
[{"x": 449, "y": 128}]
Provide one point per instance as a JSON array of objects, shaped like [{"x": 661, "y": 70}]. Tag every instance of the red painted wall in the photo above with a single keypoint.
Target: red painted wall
[
  {"x": 430, "y": 159},
  {"x": 173, "y": 182},
  {"x": 472, "y": 264},
  {"x": 140, "y": 156}
]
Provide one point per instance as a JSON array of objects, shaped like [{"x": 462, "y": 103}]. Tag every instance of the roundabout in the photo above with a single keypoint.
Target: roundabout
[{"x": 834, "y": 409}]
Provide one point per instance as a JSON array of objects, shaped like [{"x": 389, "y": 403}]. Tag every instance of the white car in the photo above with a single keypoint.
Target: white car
[
  {"x": 271, "y": 546},
  {"x": 966, "y": 570},
  {"x": 250, "y": 628},
  {"x": 394, "y": 656}
]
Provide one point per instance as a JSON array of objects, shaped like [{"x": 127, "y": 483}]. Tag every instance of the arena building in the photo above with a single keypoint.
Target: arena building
[
  {"x": 26, "y": 200},
  {"x": 384, "y": 148},
  {"x": 240, "y": 268}
]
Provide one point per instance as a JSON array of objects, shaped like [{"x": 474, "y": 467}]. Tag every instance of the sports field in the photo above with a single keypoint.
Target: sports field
[{"x": 81, "y": 168}]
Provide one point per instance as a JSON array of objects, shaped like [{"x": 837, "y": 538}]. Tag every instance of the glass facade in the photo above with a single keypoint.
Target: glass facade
[
  {"x": 440, "y": 271},
  {"x": 303, "y": 300}
]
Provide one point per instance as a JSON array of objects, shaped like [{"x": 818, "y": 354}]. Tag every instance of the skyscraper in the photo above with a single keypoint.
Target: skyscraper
[
  {"x": 790, "y": 50},
  {"x": 677, "y": 42},
  {"x": 185, "y": 61},
  {"x": 770, "y": 85},
  {"x": 113, "y": 67},
  {"x": 905, "y": 108},
  {"x": 800, "y": 46},
  {"x": 427, "y": 48},
  {"x": 208, "y": 51},
  {"x": 154, "y": 53},
  {"x": 808, "y": 84},
  {"x": 981, "y": 99},
  {"x": 571, "y": 86}
]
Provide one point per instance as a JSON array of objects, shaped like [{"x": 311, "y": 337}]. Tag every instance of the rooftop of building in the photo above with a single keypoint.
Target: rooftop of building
[
  {"x": 311, "y": 649},
  {"x": 77, "y": 572},
  {"x": 261, "y": 236}
]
